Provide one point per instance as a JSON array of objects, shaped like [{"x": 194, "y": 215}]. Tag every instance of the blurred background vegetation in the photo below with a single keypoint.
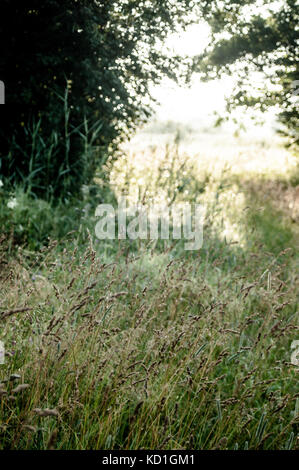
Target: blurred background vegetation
[
  {"x": 126, "y": 344},
  {"x": 78, "y": 77}
]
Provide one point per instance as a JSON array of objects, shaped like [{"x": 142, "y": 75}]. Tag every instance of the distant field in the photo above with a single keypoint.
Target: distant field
[{"x": 214, "y": 149}]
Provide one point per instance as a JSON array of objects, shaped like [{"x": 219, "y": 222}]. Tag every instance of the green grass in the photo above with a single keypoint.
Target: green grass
[{"x": 135, "y": 346}]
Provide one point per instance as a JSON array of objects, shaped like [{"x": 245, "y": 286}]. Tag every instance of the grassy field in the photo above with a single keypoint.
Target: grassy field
[{"x": 143, "y": 345}]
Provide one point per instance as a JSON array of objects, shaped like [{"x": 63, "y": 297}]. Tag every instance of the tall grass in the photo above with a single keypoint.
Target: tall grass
[
  {"x": 53, "y": 162},
  {"x": 115, "y": 346}
]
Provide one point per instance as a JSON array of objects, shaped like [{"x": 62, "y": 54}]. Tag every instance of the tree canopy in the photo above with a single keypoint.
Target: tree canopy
[
  {"x": 104, "y": 53},
  {"x": 80, "y": 71},
  {"x": 256, "y": 36}
]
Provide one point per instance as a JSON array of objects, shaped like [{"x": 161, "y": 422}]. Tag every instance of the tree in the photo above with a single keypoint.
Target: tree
[
  {"x": 254, "y": 36},
  {"x": 72, "y": 68}
]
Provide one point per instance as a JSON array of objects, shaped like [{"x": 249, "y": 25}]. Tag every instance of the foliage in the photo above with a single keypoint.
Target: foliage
[
  {"x": 77, "y": 62},
  {"x": 155, "y": 351},
  {"x": 256, "y": 40},
  {"x": 31, "y": 221},
  {"x": 114, "y": 346}
]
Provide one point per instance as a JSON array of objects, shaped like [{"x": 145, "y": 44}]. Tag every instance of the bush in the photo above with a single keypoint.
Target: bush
[{"x": 106, "y": 54}]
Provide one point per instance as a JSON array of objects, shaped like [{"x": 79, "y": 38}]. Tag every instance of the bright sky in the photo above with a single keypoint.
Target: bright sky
[
  {"x": 187, "y": 104},
  {"x": 194, "y": 105}
]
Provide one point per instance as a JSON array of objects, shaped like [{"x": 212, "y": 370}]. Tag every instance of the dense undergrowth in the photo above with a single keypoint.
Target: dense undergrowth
[{"x": 122, "y": 345}]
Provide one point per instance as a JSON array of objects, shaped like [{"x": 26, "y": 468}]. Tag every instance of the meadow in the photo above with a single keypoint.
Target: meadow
[{"x": 121, "y": 344}]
